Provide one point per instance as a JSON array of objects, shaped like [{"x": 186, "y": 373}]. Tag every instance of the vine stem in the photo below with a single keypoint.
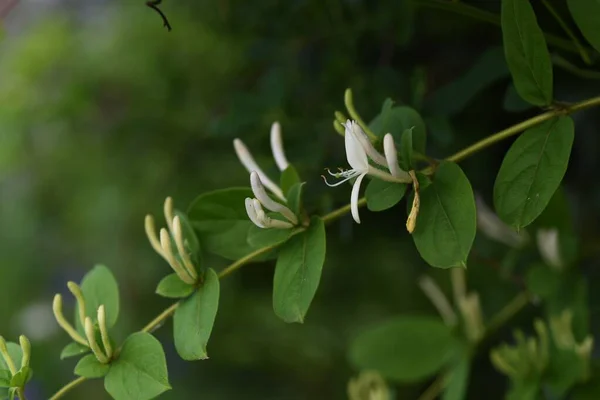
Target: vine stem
[
  {"x": 332, "y": 216},
  {"x": 491, "y": 18}
]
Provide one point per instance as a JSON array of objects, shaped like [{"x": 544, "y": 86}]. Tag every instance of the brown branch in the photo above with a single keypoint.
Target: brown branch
[{"x": 153, "y": 4}]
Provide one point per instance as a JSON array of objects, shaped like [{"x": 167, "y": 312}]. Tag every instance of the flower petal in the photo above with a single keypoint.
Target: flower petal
[
  {"x": 354, "y": 198},
  {"x": 355, "y": 153},
  {"x": 366, "y": 144}
]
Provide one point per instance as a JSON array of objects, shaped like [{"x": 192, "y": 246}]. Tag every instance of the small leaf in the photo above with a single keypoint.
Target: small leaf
[
  {"x": 260, "y": 237},
  {"x": 73, "y": 349},
  {"x": 382, "y": 195},
  {"x": 289, "y": 178},
  {"x": 294, "y": 198},
  {"x": 405, "y": 349},
  {"x": 5, "y": 377},
  {"x": 21, "y": 378},
  {"x": 195, "y": 317},
  {"x": 526, "y": 52},
  {"x": 458, "y": 379},
  {"x": 140, "y": 372},
  {"x": 173, "y": 287},
  {"x": 99, "y": 287},
  {"x": 396, "y": 120},
  {"x": 446, "y": 223},
  {"x": 221, "y": 222},
  {"x": 298, "y": 272},
  {"x": 406, "y": 150},
  {"x": 585, "y": 13},
  {"x": 90, "y": 367},
  {"x": 532, "y": 171}
]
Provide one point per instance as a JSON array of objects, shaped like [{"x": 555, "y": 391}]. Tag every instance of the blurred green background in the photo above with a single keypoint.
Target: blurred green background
[{"x": 103, "y": 113}]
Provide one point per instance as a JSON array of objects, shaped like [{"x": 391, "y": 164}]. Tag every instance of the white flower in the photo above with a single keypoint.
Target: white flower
[
  {"x": 391, "y": 156},
  {"x": 270, "y": 204},
  {"x": 494, "y": 228},
  {"x": 277, "y": 147},
  {"x": 259, "y": 217},
  {"x": 548, "y": 245},
  {"x": 248, "y": 162},
  {"x": 358, "y": 151}
]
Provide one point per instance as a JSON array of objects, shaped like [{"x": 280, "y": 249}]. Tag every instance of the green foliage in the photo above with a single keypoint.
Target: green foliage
[
  {"x": 289, "y": 178},
  {"x": 532, "y": 171},
  {"x": 294, "y": 198},
  {"x": 72, "y": 350},
  {"x": 526, "y": 52},
  {"x": 21, "y": 378},
  {"x": 458, "y": 378},
  {"x": 99, "y": 287},
  {"x": 298, "y": 272},
  {"x": 173, "y": 287},
  {"x": 585, "y": 14},
  {"x": 194, "y": 318},
  {"x": 405, "y": 348},
  {"x": 382, "y": 195},
  {"x": 90, "y": 367},
  {"x": 406, "y": 150},
  {"x": 140, "y": 372},
  {"x": 221, "y": 222},
  {"x": 446, "y": 222},
  {"x": 259, "y": 237},
  {"x": 396, "y": 120}
]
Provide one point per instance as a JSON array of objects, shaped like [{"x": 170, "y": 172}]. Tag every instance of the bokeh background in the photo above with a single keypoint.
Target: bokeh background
[{"x": 103, "y": 113}]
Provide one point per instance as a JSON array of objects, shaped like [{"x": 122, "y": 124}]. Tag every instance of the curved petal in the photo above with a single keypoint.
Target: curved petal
[
  {"x": 366, "y": 144},
  {"x": 355, "y": 153},
  {"x": 277, "y": 147},
  {"x": 354, "y": 198}
]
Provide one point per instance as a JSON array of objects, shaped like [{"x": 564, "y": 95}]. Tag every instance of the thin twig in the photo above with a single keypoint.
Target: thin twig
[{"x": 153, "y": 4}]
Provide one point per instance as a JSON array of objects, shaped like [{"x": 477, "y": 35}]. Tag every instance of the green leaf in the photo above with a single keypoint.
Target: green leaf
[
  {"x": 566, "y": 369},
  {"x": 140, "y": 372},
  {"x": 173, "y": 287},
  {"x": 294, "y": 198},
  {"x": 221, "y": 222},
  {"x": 5, "y": 377},
  {"x": 73, "y": 349},
  {"x": 289, "y": 178},
  {"x": 194, "y": 318},
  {"x": 585, "y": 13},
  {"x": 21, "y": 378},
  {"x": 458, "y": 379},
  {"x": 526, "y": 52},
  {"x": 513, "y": 102},
  {"x": 15, "y": 352},
  {"x": 99, "y": 287},
  {"x": 455, "y": 96},
  {"x": 260, "y": 237},
  {"x": 446, "y": 223},
  {"x": 396, "y": 120},
  {"x": 90, "y": 367},
  {"x": 404, "y": 348},
  {"x": 406, "y": 150},
  {"x": 382, "y": 195},
  {"x": 532, "y": 171},
  {"x": 298, "y": 272}
]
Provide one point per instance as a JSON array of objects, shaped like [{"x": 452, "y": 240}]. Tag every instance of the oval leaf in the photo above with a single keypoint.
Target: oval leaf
[
  {"x": 382, "y": 195},
  {"x": 221, "y": 222},
  {"x": 99, "y": 287},
  {"x": 73, "y": 349},
  {"x": 194, "y": 318},
  {"x": 289, "y": 178},
  {"x": 396, "y": 120},
  {"x": 585, "y": 13},
  {"x": 298, "y": 272},
  {"x": 173, "y": 287},
  {"x": 90, "y": 367},
  {"x": 405, "y": 349},
  {"x": 532, "y": 171},
  {"x": 526, "y": 52},
  {"x": 260, "y": 237},
  {"x": 140, "y": 372},
  {"x": 446, "y": 223}
]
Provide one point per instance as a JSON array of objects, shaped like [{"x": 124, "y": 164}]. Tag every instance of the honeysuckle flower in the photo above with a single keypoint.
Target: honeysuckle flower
[
  {"x": 358, "y": 151},
  {"x": 258, "y": 216},
  {"x": 270, "y": 204},
  {"x": 277, "y": 147},
  {"x": 548, "y": 246},
  {"x": 250, "y": 164},
  {"x": 391, "y": 156},
  {"x": 494, "y": 228}
]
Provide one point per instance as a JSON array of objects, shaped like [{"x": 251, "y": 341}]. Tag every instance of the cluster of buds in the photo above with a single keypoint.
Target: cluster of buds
[
  {"x": 260, "y": 182},
  {"x": 359, "y": 150},
  {"x": 25, "y": 359},
  {"x": 103, "y": 354},
  {"x": 532, "y": 355},
  {"x": 179, "y": 260}
]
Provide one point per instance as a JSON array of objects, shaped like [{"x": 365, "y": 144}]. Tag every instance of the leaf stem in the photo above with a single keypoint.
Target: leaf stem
[
  {"x": 491, "y": 18},
  {"x": 582, "y": 51},
  {"x": 67, "y": 388}
]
